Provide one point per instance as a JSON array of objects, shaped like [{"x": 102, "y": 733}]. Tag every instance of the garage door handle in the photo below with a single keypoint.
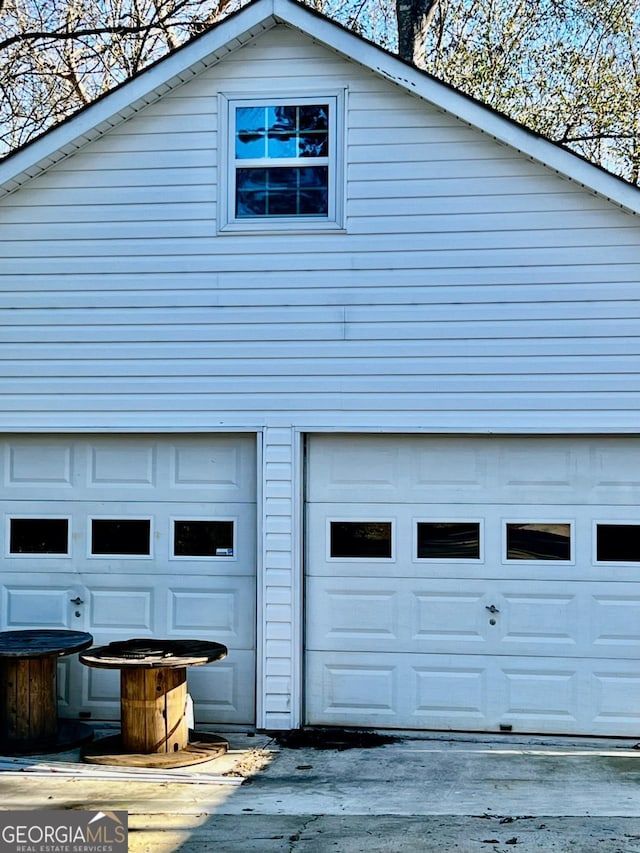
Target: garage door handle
[
  {"x": 76, "y": 600},
  {"x": 492, "y": 608}
]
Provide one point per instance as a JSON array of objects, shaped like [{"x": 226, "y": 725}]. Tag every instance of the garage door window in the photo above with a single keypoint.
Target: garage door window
[
  {"x": 618, "y": 543},
  {"x": 122, "y": 537},
  {"x": 39, "y": 536},
  {"x": 202, "y": 538},
  {"x": 361, "y": 539},
  {"x": 448, "y": 540},
  {"x": 537, "y": 541}
]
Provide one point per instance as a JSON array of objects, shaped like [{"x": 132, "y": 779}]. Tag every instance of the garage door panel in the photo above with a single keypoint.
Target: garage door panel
[
  {"x": 343, "y": 470},
  {"x": 135, "y": 536},
  {"x": 508, "y": 595},
  {"x": 360, "y": 687},
  {"x": 452, "y": 689},
  {"x": 37, "y": 599},
  {"x": 220, "y": 471},
  {"x": 218, "y": 609},
  {"x": 354, "y": 466},
  {"x": 447, "y": 469},
  {"x": 452, "y": 469},
  {"x": 392, "y": 691},
  {"x": 223, "y": 611},
  {"x": 78, "y": 518},
  {"x": 543, "y": 620},
  {"x": 614, "y": 464},
  {"x": 402, "y": 615},
  {"x": 125, "y": 612},
  {"x": 31, "y": 465},
  {"x": 571, "y": 695},
  {"x": 615, "y": 686},
  {"x": 615, "y": 623},
  {"x": 539, "y": 694},
  {"x": 51, "y": 608},
  {"x": 365, "y": 617},
  {"x": 471, "y": 693},
  {"x": 116, "y": 463},
  {"x": 491, "y": 522},
  {"x": 204, "y": 468},
  {"x": 408, "y": 614}
]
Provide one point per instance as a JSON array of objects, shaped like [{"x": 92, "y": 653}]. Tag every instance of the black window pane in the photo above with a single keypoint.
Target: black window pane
[
  {"x": 361, "y": 539},
  {"x": 535, "y": 541},
  {"x": 283, "y": 179},
  {"x": 619, "y": 543},
  {"x": 121, "y": 536},
  {"x": 251, "y": 192},
  {"x": 313, "y": 203},
  {"x": 314, "y": 117},
  {"x": 448, "y": 540},
  {"x": 203, "y": 539},
  {"x": 313, "y": 145},
  {"x": 282, "y": 192},
  {"x": 39, "y": 536}
]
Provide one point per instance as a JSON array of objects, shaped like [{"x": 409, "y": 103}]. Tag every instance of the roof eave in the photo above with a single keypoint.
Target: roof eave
[
  {"x": 463, "y": 107},
  {"x": 121, "y": 103},
  {"x": 231, "y": 33}
]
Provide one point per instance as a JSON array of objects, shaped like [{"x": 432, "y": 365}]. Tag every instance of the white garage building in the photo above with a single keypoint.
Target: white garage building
[{"x": 306, "y": 353}]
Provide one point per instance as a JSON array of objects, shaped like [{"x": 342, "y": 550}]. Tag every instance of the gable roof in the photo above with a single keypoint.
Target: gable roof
[{"x": 226, "y": 36}]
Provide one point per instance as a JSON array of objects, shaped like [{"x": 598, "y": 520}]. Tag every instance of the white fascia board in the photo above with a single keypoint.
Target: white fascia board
[
  {"x": 474, "y": 113},
  {"x": 119, "y": 105}
]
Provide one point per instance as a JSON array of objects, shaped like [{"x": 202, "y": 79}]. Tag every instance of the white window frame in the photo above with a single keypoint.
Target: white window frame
[
  {"x": 446, "y": 520},
  {"x": 334, "y": 220},
  {"x": 31, "y": 554},
  {"x": 226, "y": 558},
  {"x": 124, "y": 556},
  {"x": 531, "y": 519},
  {"x": 625, "y": 564},
  {"x": 369, "y": 519}
]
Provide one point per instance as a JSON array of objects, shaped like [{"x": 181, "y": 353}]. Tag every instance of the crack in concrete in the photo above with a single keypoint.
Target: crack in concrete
[{"x": 293, "y": 839}]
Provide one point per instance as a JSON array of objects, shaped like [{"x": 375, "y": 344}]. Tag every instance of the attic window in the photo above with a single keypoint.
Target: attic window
[{"x": 282, "y": 164}]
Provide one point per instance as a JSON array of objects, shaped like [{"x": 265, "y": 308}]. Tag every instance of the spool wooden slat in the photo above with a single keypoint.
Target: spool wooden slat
[{"x": 153, "y": 709}]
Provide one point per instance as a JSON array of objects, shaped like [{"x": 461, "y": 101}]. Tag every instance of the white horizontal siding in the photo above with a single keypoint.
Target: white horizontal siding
[
  {"x": 470, "y": 278},
  {"x": 426, "y": 252}
]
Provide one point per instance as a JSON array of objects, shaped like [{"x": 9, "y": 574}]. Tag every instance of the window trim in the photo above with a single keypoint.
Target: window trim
[
  {"x": 121, "y": 556},
  {"x": 507, "y": 561},
  {"x": 227, "y": 558},
  {"x": 360, "y": 519},
  {"x": 625, "y": 564},
  {"x": 227, "y": 221},
  {"x": 480, "y": 559},
  {"x": 45, "y": 516}
]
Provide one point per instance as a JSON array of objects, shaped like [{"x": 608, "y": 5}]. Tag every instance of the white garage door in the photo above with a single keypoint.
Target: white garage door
[
  {"x": 135, "y": 537},
  {"x": 470, "y": 583}
]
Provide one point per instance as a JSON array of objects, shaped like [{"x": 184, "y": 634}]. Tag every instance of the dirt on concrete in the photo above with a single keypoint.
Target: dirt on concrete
[{"x": 338, "y": 739}]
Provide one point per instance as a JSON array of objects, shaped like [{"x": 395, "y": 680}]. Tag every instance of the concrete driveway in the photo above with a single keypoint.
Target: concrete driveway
[{"x": 446, "y": 794}]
